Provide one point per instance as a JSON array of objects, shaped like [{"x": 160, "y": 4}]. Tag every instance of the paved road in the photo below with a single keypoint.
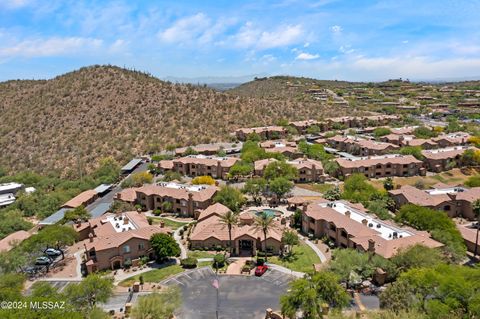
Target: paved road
[
  {"x": 108, "y": 198},
  {"x": 239, "y": 296}
]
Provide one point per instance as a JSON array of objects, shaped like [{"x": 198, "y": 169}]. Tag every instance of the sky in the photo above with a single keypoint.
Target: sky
[{"x": 356, "y": 40}]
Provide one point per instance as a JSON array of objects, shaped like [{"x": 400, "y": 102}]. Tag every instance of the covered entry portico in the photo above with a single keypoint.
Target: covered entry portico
[{"x": 245, "y": 246}]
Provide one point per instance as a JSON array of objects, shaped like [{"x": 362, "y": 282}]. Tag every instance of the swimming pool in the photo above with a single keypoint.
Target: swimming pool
[{"x": 269, "y": 212}]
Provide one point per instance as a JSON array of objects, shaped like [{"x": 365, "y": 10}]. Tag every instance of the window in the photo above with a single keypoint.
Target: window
[
  {"x": 344, "y": 234},
  {"x": 126, "y": 249},
  {"x": 177, "y": 201},
  {"x": 92, "y": 253},
  {"x": 332, "y": 227},
  {"x": 446, "y": 208},
  {"x": 141, "y": 246},
  {"x": 389, "y": 165},
  {"x": 379, "y": 166}
]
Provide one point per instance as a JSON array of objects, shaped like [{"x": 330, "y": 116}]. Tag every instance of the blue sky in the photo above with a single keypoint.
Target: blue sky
[{"x": 326, "y": 39}]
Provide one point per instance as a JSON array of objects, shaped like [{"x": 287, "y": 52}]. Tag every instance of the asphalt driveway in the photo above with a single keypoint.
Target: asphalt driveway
[{"x": 238, "y": 296}]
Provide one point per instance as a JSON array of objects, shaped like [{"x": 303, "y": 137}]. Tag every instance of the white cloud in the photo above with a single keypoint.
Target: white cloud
[
  {"x": 250, "y": 36},
  {"x": 283, "y": 36},
  {"x": 307, "y": 56},
  {"x": 186, "y": 29},
  {"x": 306, "y": 45},
  {"x": 336, "y": 29},
  {"x": 50, "y": 47}
]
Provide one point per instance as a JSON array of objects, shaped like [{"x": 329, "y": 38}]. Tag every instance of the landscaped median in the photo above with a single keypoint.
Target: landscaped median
[
  {"x": 301, "y": 259},
  {"x": 157, "y": 275}
]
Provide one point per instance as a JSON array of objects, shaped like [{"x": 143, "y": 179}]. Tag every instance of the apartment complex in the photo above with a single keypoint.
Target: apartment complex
[
  {"x": 200, "y": 165},
  {"x": 113, "y": 241},
  {"x": 360, "y": 146},
  {"x": 284, "y": 147},
  {"x": 350, "y": 226},
  {"x": 381, "y": 166},
  {"x": 443, "y": 159},
  {"x": 211, "y": 233},
  {"x": 182, "y": 199},
  {"x": 456, "y": 201},
  {"x": 308, "y": 170}
]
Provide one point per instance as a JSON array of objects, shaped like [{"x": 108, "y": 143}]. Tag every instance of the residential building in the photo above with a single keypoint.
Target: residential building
[
  {"x": 360, "y": 146},
  {"x": 183, "y": 199},
  {"x": 284, "y": 147},
  {"x": 210, "y": 233},
  {"x": 469, "y": 234},
  {"x": 83, "y": 199},
  {"x": 381, "y": 166},
  {"x": 456, "y": 201},
  {"x": 350, "y": 226},
  {"x": 308, "y": 170},
  {"x": 200, "y": 165},
  {"x": 443, "y": 159},
  {"x": 451, "y": 139},
  {"x": 113, "y": 241}
]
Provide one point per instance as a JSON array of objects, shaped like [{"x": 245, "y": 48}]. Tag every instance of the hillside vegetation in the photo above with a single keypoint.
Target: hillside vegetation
[
  {"x": 284, "y": 87},
  {"x": 68, "y": 123}
]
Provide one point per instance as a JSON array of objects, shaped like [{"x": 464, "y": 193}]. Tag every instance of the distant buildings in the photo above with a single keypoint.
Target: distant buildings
[
  {"x": 184, "y": 200},
  {"x": 350, "y": 226},
  {"x": 360, "y": 146},
  {"x": 200, "y": 165},
  {"x": 381, "y": 166},
  {"x": 456, "y": 201},
  {"x": 439, "y": 160},
  {"x": 308, "y": 170}
]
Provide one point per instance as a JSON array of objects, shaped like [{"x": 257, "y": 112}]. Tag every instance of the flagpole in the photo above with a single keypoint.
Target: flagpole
[{"x": 218, "y": 288}]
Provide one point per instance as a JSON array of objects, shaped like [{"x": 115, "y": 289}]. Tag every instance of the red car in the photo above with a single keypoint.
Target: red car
[{"x": 260, "y": 270}]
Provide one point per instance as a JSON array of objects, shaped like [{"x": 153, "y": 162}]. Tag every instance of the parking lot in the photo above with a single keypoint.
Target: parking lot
[{"x": 238, "y": 296}]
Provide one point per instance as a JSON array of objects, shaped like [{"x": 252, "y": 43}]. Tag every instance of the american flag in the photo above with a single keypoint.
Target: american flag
[{"x": 215, "y": 283}]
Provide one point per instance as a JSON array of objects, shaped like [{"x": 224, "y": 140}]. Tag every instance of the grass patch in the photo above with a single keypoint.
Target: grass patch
[
  {"x": 201, "y": 254},
  {"x": 154, "y": 275},
  {"x": 302, "y": 259},
  {"x": 168, "y": 223},
  {"x": 321, "y": 188}
]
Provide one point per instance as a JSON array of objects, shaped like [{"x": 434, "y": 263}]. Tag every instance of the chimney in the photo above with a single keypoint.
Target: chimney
[
  {"x": 125, "y": 220},
  {"x": 371, "y": 245},
  {"x": 90, "y": 237},
  {"x": 304, "y": 207},
  {"x": 348, "y": 213},
  {"x": 364, "y": 222}
]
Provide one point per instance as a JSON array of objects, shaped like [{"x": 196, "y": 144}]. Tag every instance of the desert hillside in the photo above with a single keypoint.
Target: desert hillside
[{"x": 73, "y": 120}]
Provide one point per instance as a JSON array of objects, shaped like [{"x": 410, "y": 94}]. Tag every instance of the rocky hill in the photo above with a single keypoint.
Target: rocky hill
[{"x": 75, "y": 119}]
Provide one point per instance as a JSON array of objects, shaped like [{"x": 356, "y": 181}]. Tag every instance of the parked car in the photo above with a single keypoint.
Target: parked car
[
  {"x": 260, "y": 270},
  {"x": 53, "y": 252},
  {"x": 43, "y": 261}
]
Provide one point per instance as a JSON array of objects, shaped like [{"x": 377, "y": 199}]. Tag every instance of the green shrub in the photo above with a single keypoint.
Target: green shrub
[
  {"x": 219, "y": 261},
  {"x": 189, "y": 262}
]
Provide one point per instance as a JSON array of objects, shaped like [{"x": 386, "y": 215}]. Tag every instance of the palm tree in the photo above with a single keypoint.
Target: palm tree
[
  {"x": 229, "y": 219},
  {"x": 476, "y": 211},
  {"x": 264, "y": 223}
]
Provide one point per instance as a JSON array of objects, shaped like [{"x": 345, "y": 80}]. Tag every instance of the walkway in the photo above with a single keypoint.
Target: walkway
[
  {"x": 285, "y": 270},
  {"x": 319, "y": 253},
  {"x": 122, "y": 274}
]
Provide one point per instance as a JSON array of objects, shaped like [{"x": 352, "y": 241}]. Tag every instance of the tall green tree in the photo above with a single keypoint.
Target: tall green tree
[
  {"x": 280, "y": 169},
  {"x": 255, "y": 187},
  {"x": 158, "y": 305},
  {"x": 230, "y": 197},
  {"x": 312, "y": 293},
  {"x": 77, "y": 214},
  {"x": 91, "y": 290},
  {"x": 264, "y": 223},
  {"x": 290, "y": 239},
  {"x": 280, "y": 186},
  {"x": 230, "y": 220},
  {"x": 164, "y": 246}
]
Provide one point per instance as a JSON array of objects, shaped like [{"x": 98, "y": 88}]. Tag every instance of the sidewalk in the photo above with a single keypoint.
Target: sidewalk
[
  {"x": 317, "y": 250},
  {"x": 287, "y": 271}
]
